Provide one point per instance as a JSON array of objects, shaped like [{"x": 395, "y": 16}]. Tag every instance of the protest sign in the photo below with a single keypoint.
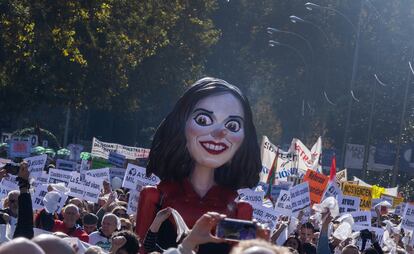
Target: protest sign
[
  {"x": 399, "y": 209},
  {"x": 251, "y": 196},
  {"x": 36, "y": 164},
  {"x": 137, "y": 175},
  {"x": 76, "y": 186},
  {"x": 283, "y": 204},
  {"x": 364, "y": 193},
  {"x": 341, "y": 176},
  {"x": 316, "y": 152},
  {"x": 41, "y": 179},
  {"x": 354, "y": 156},
  {"x": 394, "y": 201},
  {"x": 117, "y": 172},
  {"x": 133, "y": 200},
  {"x": 362, "y": 218},
  {"x": 348, "y": 204},
  {"x": 39, "y": 194},
  {"x": 19, "y": 149},
  {"x": 7, "y": 185},
  {"x": 93, "y": 186},
  {"x": 59, "y": 176},
  {"x": 317, "y": 184},
  {"x": 66, "y": 165},
  {"x": 379, "y": 233},
  {"x": 299, "y": 197},
  {"x": 102, "y": 149},
  {"x": 116, "y": 159},
  {"x": 286, "y": 166},
  {"x": 268, "y": 153},
  {"x": 277, "y": 188},
  {"x": 265, "y": 215},
  {"x": 408, "y": 217},
  {"x": 332, "y": 190},
  {"x": 102, "y": 173}
]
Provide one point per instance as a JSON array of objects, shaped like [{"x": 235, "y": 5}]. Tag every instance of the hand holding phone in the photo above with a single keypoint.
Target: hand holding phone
[{"x": 233, "y": 229}]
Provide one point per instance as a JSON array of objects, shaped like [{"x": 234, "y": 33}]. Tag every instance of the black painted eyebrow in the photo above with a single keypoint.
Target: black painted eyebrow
[
  {"x": 239, "y": 117},
  {"x": 203, "y": 110}
]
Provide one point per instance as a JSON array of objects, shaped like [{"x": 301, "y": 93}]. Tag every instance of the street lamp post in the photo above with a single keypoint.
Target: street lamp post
[{"x": 273, "y": 43}]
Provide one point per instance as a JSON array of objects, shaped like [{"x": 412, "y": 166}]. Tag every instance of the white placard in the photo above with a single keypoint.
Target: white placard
[
  {"x": 99, "y": 173},
  {"x": 348, "y": 204},
  {"x": 7, "y": 185},
  {"x": 93, "y": 186},
  {"x": 362, "y": 218},
  {"x": 76, "y": 186},
  {"x": 299, "y": 197},
  {"x": 133, "y": 200},
  {"x": 39, "y": 194},
  {"x": 59, "y": 176},
  {"x": 41, "y": 179},
  {"x": 283, "y": 203},
  {"x": 399, "y": 209},
  {"x": 137, "y": 175},
  {"x": 332, "y": 190},
  {"x": 102, "y": 149},
  {"x": 251, "y": 196},
  {"x": 379, "y": 233},
  {"x": 117, "y": 172},
  {"x": 116, "y": 159},
  {"x": 36, "y": 164},
  {"x": 66, "y": 165},
  {"x": 266, "y": 216},
  {"x": 408, "y": 217}
]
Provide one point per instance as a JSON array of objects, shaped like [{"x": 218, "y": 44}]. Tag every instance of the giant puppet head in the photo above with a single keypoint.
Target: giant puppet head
[{"x": 211, "y": 125}]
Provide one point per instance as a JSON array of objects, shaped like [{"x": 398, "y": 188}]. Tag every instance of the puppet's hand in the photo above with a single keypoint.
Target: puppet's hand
[{"x": 161, "y": 216}]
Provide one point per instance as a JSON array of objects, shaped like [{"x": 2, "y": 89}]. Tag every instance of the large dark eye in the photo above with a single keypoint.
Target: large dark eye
[
  {"x": 203, "y": 119},
  {"x": 233, "y": 125}
]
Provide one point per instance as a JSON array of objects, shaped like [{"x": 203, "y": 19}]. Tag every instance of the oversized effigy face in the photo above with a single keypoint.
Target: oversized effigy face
[{"x": 215, "y": 130}]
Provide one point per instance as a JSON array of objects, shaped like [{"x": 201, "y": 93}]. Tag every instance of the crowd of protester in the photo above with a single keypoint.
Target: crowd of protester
[{"x": 106, "y": 227}]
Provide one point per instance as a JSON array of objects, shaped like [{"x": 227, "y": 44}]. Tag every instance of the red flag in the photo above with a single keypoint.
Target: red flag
[{"x": 332, "y": 173}]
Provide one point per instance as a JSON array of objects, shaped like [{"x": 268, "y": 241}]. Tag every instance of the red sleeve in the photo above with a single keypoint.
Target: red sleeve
[
  {"x": 147, "y": 208},
  {"x": 244, "y": 211},
  {"x": 83, "y": 236}
]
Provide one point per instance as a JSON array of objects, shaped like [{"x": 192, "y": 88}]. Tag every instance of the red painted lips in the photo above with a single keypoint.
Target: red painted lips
[{"x": 213, "y": 147}]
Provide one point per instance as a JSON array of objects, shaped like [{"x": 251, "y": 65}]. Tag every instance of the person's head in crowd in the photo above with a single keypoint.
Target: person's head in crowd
[
  {"x": 369, "y": 250},
  {"x": 175, "y": 149},
  {"x": 122, "y": 203},
  {"x": 126, "y": 224},
  {"x": 70, "y": 215},
  {"x": 309, "y": 248},
  {"x": 120, "y": 211},
  {"x": 20, "y": 245},
  {"x": 52, "y": 244},
  {"x": 306, "y": 232},
  {"x": 294, "y": 243},
  {"x": 90, "y": 222},
  {"x": 106, "y": 187},
  {"x": 315, "y": 238},
  {"x": 94, "y": 250},
  {"x": 13, "y": 202},
  {"x": 131, "y": 245},
  {"x": 350, "y": 249},
  {"x": 258, "y": 246},
  {"x": 77, "y": 202},
  {"x": 110, "y": 223}
]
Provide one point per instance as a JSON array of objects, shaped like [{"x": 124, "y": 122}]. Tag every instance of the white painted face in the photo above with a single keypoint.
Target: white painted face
[{"x": 215, "y": 130}]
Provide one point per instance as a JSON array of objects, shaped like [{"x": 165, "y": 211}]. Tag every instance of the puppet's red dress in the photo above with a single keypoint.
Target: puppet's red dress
[{"x": 182, "y": 197}]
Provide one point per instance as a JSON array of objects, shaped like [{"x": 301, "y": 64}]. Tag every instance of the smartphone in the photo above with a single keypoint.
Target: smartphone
[
  {"x": 233, "y": 229},
  {"x": 12, "y": 168}
]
